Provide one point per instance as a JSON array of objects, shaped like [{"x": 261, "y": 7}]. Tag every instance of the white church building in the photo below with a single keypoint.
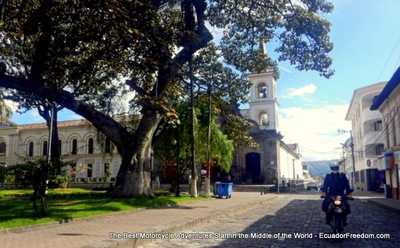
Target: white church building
[{"x": 273, "y": 159}]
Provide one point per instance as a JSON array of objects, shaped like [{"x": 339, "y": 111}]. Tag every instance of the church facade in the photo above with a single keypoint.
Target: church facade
[{"x": 273, "y": 159}]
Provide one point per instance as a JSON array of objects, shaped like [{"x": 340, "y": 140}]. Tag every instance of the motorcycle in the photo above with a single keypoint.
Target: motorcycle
[{"x": 337, "y": 209}]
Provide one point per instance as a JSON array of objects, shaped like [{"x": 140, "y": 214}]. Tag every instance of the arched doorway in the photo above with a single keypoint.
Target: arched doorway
[{"x": 253, "y": 169}]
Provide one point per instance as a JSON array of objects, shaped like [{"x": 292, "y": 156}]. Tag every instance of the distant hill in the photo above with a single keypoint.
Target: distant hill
[{"x": 318, "y": 168}]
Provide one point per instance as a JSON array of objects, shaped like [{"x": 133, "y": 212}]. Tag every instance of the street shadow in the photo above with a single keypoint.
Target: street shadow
[
  {"x": 301, "y": 223},
  {"x": 177, "y": 206}
]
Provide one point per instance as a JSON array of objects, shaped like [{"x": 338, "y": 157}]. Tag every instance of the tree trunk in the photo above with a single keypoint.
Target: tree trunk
[
  {"x": 35, "y": 207},
  {"x": 55, "y": 152},
  {"x": 134, "y": 175},
  {"x": 44, "y": 204},
  {"x": 136, "y": 183},
  {"x": 193, "y": 187},
  {"x": 133, "y": 182}
]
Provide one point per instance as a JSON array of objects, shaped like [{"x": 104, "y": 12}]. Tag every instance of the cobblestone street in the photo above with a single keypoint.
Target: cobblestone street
[{"x": 280, "y": 222}]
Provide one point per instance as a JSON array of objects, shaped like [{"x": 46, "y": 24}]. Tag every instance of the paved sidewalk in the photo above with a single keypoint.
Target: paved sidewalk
[
  {"x": 96, "y": 232},
  {"x": 388, "y": 203}
]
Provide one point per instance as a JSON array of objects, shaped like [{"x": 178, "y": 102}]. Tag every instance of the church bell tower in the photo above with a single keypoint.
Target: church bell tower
[{"x": 263, "y": 105}]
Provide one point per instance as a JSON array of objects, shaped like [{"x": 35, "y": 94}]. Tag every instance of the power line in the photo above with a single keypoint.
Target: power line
[{"x": 387, "y": 62}]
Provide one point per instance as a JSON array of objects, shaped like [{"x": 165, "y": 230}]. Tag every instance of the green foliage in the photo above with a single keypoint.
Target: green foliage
[
  {"x": 299, "y": 28},
  {"x": 221, "y": 147},
  {"x": 39, "y": 175},
  {"x": 58, "y": 182},
  {"x": 79, "y": 53},
  {"x": 161, "y": 192},
  {"x": 54, "y": 193},
  {"x": 237, "y": 131}
]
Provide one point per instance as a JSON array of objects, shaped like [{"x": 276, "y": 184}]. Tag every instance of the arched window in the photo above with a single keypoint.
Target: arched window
[
  {"x": 262, "y": 90},
  {"x": 3, "y": 147},
  {"x": 90, "y": 146},
  {"x": 45, "y": 148},
  {"x": 107, "y": 146},
  {"x": 264, "y": 120},
  {"x": 74, "y": 146},
  {"x": 30, "y": 149}
]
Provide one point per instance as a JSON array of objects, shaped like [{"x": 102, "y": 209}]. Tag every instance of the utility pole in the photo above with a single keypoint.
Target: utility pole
[
  {"x": 353, "y": 179},
  {"x": 353, "y": 161}
]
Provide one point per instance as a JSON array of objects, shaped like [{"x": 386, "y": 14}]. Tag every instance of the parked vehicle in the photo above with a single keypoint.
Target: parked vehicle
[{"x": 312, "y": 185}]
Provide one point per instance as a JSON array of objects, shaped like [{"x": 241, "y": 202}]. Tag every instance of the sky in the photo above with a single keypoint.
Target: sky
[{"x": 366, "y": 37}]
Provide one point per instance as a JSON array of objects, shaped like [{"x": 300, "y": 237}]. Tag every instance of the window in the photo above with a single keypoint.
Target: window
[
  {"x": 90, "y": 146},
  {"x": 74, "y": 146},
  {"x": 107, "y": 148},
  {"x": 362, "y": 176},
  {"x": 262, "y": 91},
  {"x": 378, "y": 125},
  {"x": 3, "y": 147},
  {"x": 264, "y": 120},
  {"x": 45, "y": 148},
  {"x": 379, "y": 149},
  {"x": 30, "y": 149}
]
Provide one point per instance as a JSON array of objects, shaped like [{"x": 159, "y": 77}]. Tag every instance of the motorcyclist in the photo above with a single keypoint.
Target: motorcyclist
[{"x": 335, "y": 183}]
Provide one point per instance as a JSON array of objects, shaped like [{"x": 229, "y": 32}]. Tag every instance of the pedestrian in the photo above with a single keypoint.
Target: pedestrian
[
  {"x": 283, "y": 179},
  {"x": 228, "y": 178}
]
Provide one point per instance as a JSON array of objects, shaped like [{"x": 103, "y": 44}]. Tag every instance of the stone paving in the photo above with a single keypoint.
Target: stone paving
[
  {"x": 245, "y": 213},
  {"x": 293, "y": 221},
  {"x": 95, "y": 232}
]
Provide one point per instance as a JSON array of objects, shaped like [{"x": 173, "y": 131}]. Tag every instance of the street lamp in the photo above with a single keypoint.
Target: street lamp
[
  {"x": 352, "y": 155},
  {"x": 207, "y": 188}
]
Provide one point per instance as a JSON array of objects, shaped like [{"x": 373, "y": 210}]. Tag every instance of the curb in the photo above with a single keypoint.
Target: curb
[
  {"x": 135, "y": 242},
  {"x": 385, "y": 206},
  {"x": 27, "y": 228}
]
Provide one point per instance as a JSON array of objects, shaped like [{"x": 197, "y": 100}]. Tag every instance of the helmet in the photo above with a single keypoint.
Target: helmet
[{"x": 334, "y": 167}]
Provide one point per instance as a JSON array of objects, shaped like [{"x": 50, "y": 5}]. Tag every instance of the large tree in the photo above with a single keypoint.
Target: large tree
[
  {"x": 5, "y": 110},
  {"x": 74, "y": 53}
]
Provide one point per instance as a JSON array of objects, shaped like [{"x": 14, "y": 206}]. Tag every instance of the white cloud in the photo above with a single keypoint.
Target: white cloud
[
  {"x": 315, "y": 130},
  {"x": 302, "y": 91}
]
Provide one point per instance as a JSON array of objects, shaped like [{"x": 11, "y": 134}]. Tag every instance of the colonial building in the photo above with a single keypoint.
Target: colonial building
[
  {"x": 273, "y": 158},
  {"x": 367, "y": 140},
  {"x": 388, "y": 104},
  {"x": 96, "y": 160}
]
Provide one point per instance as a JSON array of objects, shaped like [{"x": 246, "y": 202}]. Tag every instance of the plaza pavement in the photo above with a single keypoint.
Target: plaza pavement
[{"x": 109, "y": 230}]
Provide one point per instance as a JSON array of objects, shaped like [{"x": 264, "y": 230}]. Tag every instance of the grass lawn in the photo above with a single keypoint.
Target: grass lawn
[{"x": 17, "y": 210}]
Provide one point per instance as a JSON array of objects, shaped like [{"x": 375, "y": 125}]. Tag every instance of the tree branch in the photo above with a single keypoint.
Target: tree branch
[{"x": 110, "y": 127}]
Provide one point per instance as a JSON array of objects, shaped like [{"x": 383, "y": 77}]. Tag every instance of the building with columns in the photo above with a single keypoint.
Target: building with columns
[
  {"x": 388, "y": 104},
  {"x": 95, "y": 157},
  {"x": 367, "y": 140}
]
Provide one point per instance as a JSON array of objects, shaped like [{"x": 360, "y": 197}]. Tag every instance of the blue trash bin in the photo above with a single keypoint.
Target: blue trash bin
[{"x": 224, "y": 189}]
